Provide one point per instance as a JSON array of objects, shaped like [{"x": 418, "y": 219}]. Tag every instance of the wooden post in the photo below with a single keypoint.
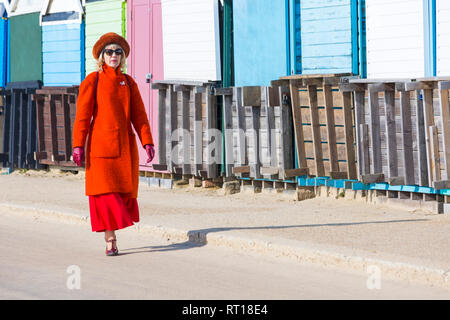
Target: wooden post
[
  {"x": 227, "y": 114},
  {"x": 298, "y": 126},
  {"x": 375, "y": 131},
  {"x": 211, "y": 123},
  {"x": 331, "y": 130},
  {"x": 198, "y": 139},
  {"x": 391, "y": 135},
  {"x": 315, "y": 126},
  {"x": 421, "y": 141},
  {"x": 171, "y": 124},
  {"x": 287, "y": 158},
  {"x": 349, "y": 139},
  {"x": 359, "y": 120},
  {"x": 408, "y": 158},
  {"x": 162, "y": 137},
  {"x": 240, "y": 113},
  {"x": 429, "y": 121}
]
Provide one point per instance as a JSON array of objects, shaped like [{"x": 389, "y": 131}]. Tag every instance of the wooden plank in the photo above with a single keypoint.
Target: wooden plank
[
  {"x": 331, "y": 130},
  {"x": 298, "y": 127},
  {"x": 443, "y": 184},
  {"x": 223, "y": 91},
  {"x": 435, "y": 159},
  {"x": 269, "y": 171},
  {"x": 352, "y": 87},
  {"x": 391, "y": 141},
  {"x": 67, "y": 131},
  {"x": 286, "y": 155},
  {"x": 158, "y": 86},
  {"x": 445, "y": 117},
  {"x": 240, "y": 111},
  {"x": 271, "y": 136},
  {"x": 428, "y": 122},
  {"x": 375, "y": 136},
  {"x": 315, "y": 126},
  {"x": 382, "y": 86},
  {"x": 349, "y": 139},
  {"x": 198, "y": 136},
  {"x": 373, "y": 178},
  {"x": 406, "y": 124},
  {"x": 212, "y": 147},
  {"x": 397, "y": 181},
  {"x": 254, "y": 160},
  {"x": 159, "y": 167},
  {"x": 54, "y": 136},
  {"x": 274, "y": 96},
  {"x": 421, "y": 141},
  {"x": 172, "y": 124},
  {"x": 359, "y": 120},
  {"x": 162, "y": 138},
  {"x": 338, "y": 175},
  {"x": 290, "y": 173},
  {"x": 251, "y": 96},
  {"x": 365, "y": 155},
  {"x": 228, "y": 119},
  {"x": 181, "y": 88},
  {"x": 444, "y": 85},
  {"x": 185, "y": 126},
  {"x": 241, "y": 169}
]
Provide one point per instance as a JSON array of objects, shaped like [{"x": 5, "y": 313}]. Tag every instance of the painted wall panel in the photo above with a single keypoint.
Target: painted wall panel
[
  {"x": 443, "y": 37},
  {"x": 395, "y": 38},
  {"x": 146, "y": 57},
  {"x": 102, "y": 17},
  {"x": 25, "y": 48},
  {"x": 62, "y": 54},
  {"x": 260, "y": 41},
  {"x": 191, "y": 39},
  {"x": 326, "y": 36}
]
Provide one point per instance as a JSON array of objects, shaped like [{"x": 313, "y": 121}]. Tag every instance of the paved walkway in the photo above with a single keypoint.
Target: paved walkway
[{"x": 339, "y": 234}]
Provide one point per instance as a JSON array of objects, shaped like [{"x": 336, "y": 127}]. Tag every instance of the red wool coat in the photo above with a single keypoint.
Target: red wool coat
[{"x": 112, "y": 159}]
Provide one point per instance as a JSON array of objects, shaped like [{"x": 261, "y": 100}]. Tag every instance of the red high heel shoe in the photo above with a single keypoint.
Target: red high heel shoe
[{"x": 113, "y": 251}]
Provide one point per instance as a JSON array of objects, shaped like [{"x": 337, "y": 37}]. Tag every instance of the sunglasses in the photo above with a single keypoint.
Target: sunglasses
[{"x": 109, "y": 52}]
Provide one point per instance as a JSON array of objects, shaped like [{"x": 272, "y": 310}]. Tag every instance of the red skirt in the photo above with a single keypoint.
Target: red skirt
[{"x": 112, "y": 211}]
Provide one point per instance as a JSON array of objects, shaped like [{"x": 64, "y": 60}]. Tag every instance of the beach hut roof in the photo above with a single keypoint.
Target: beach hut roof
[
  {"x": 61, "y": 12},
  {"x": 20, "y": 7}
]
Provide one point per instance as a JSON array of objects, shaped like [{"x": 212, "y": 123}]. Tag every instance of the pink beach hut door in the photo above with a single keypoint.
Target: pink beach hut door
[{"x": 146, "y": 61}]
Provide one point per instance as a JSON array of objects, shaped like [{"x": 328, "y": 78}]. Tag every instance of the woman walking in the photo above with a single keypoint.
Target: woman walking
[{"x": 108, "y": 104}]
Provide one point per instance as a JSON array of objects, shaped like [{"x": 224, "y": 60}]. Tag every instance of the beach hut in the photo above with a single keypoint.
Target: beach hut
[
  {"x": 145, "y": 62},
  {"x": 3, "y": 43},
  {"x": 62, "y": 42},
  {"x": 102, "y": 16},
  {"x": 442, "y": 45},
  {"x": 25, "y": 41},
  {"x": 400, "y": 38}
]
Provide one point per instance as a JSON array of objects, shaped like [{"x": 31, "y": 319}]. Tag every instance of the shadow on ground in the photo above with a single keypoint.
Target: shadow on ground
[{"x": 198, "y": 238}]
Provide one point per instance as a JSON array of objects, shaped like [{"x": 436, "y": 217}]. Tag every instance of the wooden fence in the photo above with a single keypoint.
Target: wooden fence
[
  {"x": 323, "y": 126},
  {"x": 403, "y": 130},
  {"x": 188, "y": 138},
  {"x": 19, "y": 139},
  {"x": 56, "y": 111},
  {"x": 258, "y": 132}
]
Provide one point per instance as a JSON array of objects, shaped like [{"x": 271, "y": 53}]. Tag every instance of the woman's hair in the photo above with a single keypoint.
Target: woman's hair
[{"x": 101, "y": 60}]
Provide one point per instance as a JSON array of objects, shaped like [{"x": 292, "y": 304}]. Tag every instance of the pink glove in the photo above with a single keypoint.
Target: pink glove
[
  {"x": 78, "y": 156},
  {"x": 150, "y": 152}
]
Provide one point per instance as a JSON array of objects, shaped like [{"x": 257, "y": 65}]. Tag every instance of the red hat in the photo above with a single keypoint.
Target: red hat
[{"x": 109, "y": 38}]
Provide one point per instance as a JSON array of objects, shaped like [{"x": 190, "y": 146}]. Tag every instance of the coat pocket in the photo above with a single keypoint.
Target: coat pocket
[{"x": 105, "y": 143}]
